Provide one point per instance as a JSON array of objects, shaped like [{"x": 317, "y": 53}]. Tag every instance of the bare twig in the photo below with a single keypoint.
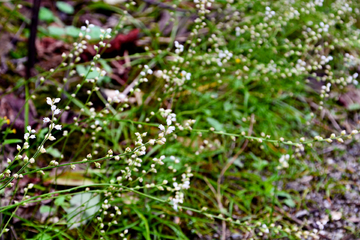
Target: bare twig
[
  {"x": 32, "y": 38},
  {"x": 166, "y": 40},
  {"x": 223, "y": 171},
  {"x": 165, "y": 6},
  {"x": 14, "y": 233},
  {"x": 327, "y": 113},
  {"x": 229, "y": 163},
  {"x": 221, "y": 207}
]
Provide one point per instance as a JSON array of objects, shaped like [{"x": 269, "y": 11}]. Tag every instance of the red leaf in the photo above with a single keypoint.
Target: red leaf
[{"x": 119, "y": 45}]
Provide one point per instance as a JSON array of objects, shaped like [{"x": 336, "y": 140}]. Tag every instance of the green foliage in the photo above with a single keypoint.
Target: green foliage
[
  {"x": 198, "y": 130},
  {"x": 46, "y": 14},
  {"x": 65, "y": 7},
  {"x": 83, "y": 207}
]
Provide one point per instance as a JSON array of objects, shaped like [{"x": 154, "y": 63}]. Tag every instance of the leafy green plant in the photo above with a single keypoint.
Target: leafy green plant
[{"x": 202, "y": 137}]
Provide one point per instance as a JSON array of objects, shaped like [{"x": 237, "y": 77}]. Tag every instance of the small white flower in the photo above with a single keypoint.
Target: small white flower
[
  {"x": 26, "y": 136},
  {"x": 175, "y": 204},
  {"x": 186, "y": 185},
  {"x": 57, "y": 111},
  {"x": 58, "y": 127},
  {"x": 170, "y": 130},
  {"x": 49, "y": 101},
  {"x": 176, "y": 186},
  {"x": 160, "y": 142},
  {"x": 46, "y": 120},
  {"x": 42, "y": 149},
  {"x": 161, "y": 127},
  {"x": 52, "y": 138}
]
